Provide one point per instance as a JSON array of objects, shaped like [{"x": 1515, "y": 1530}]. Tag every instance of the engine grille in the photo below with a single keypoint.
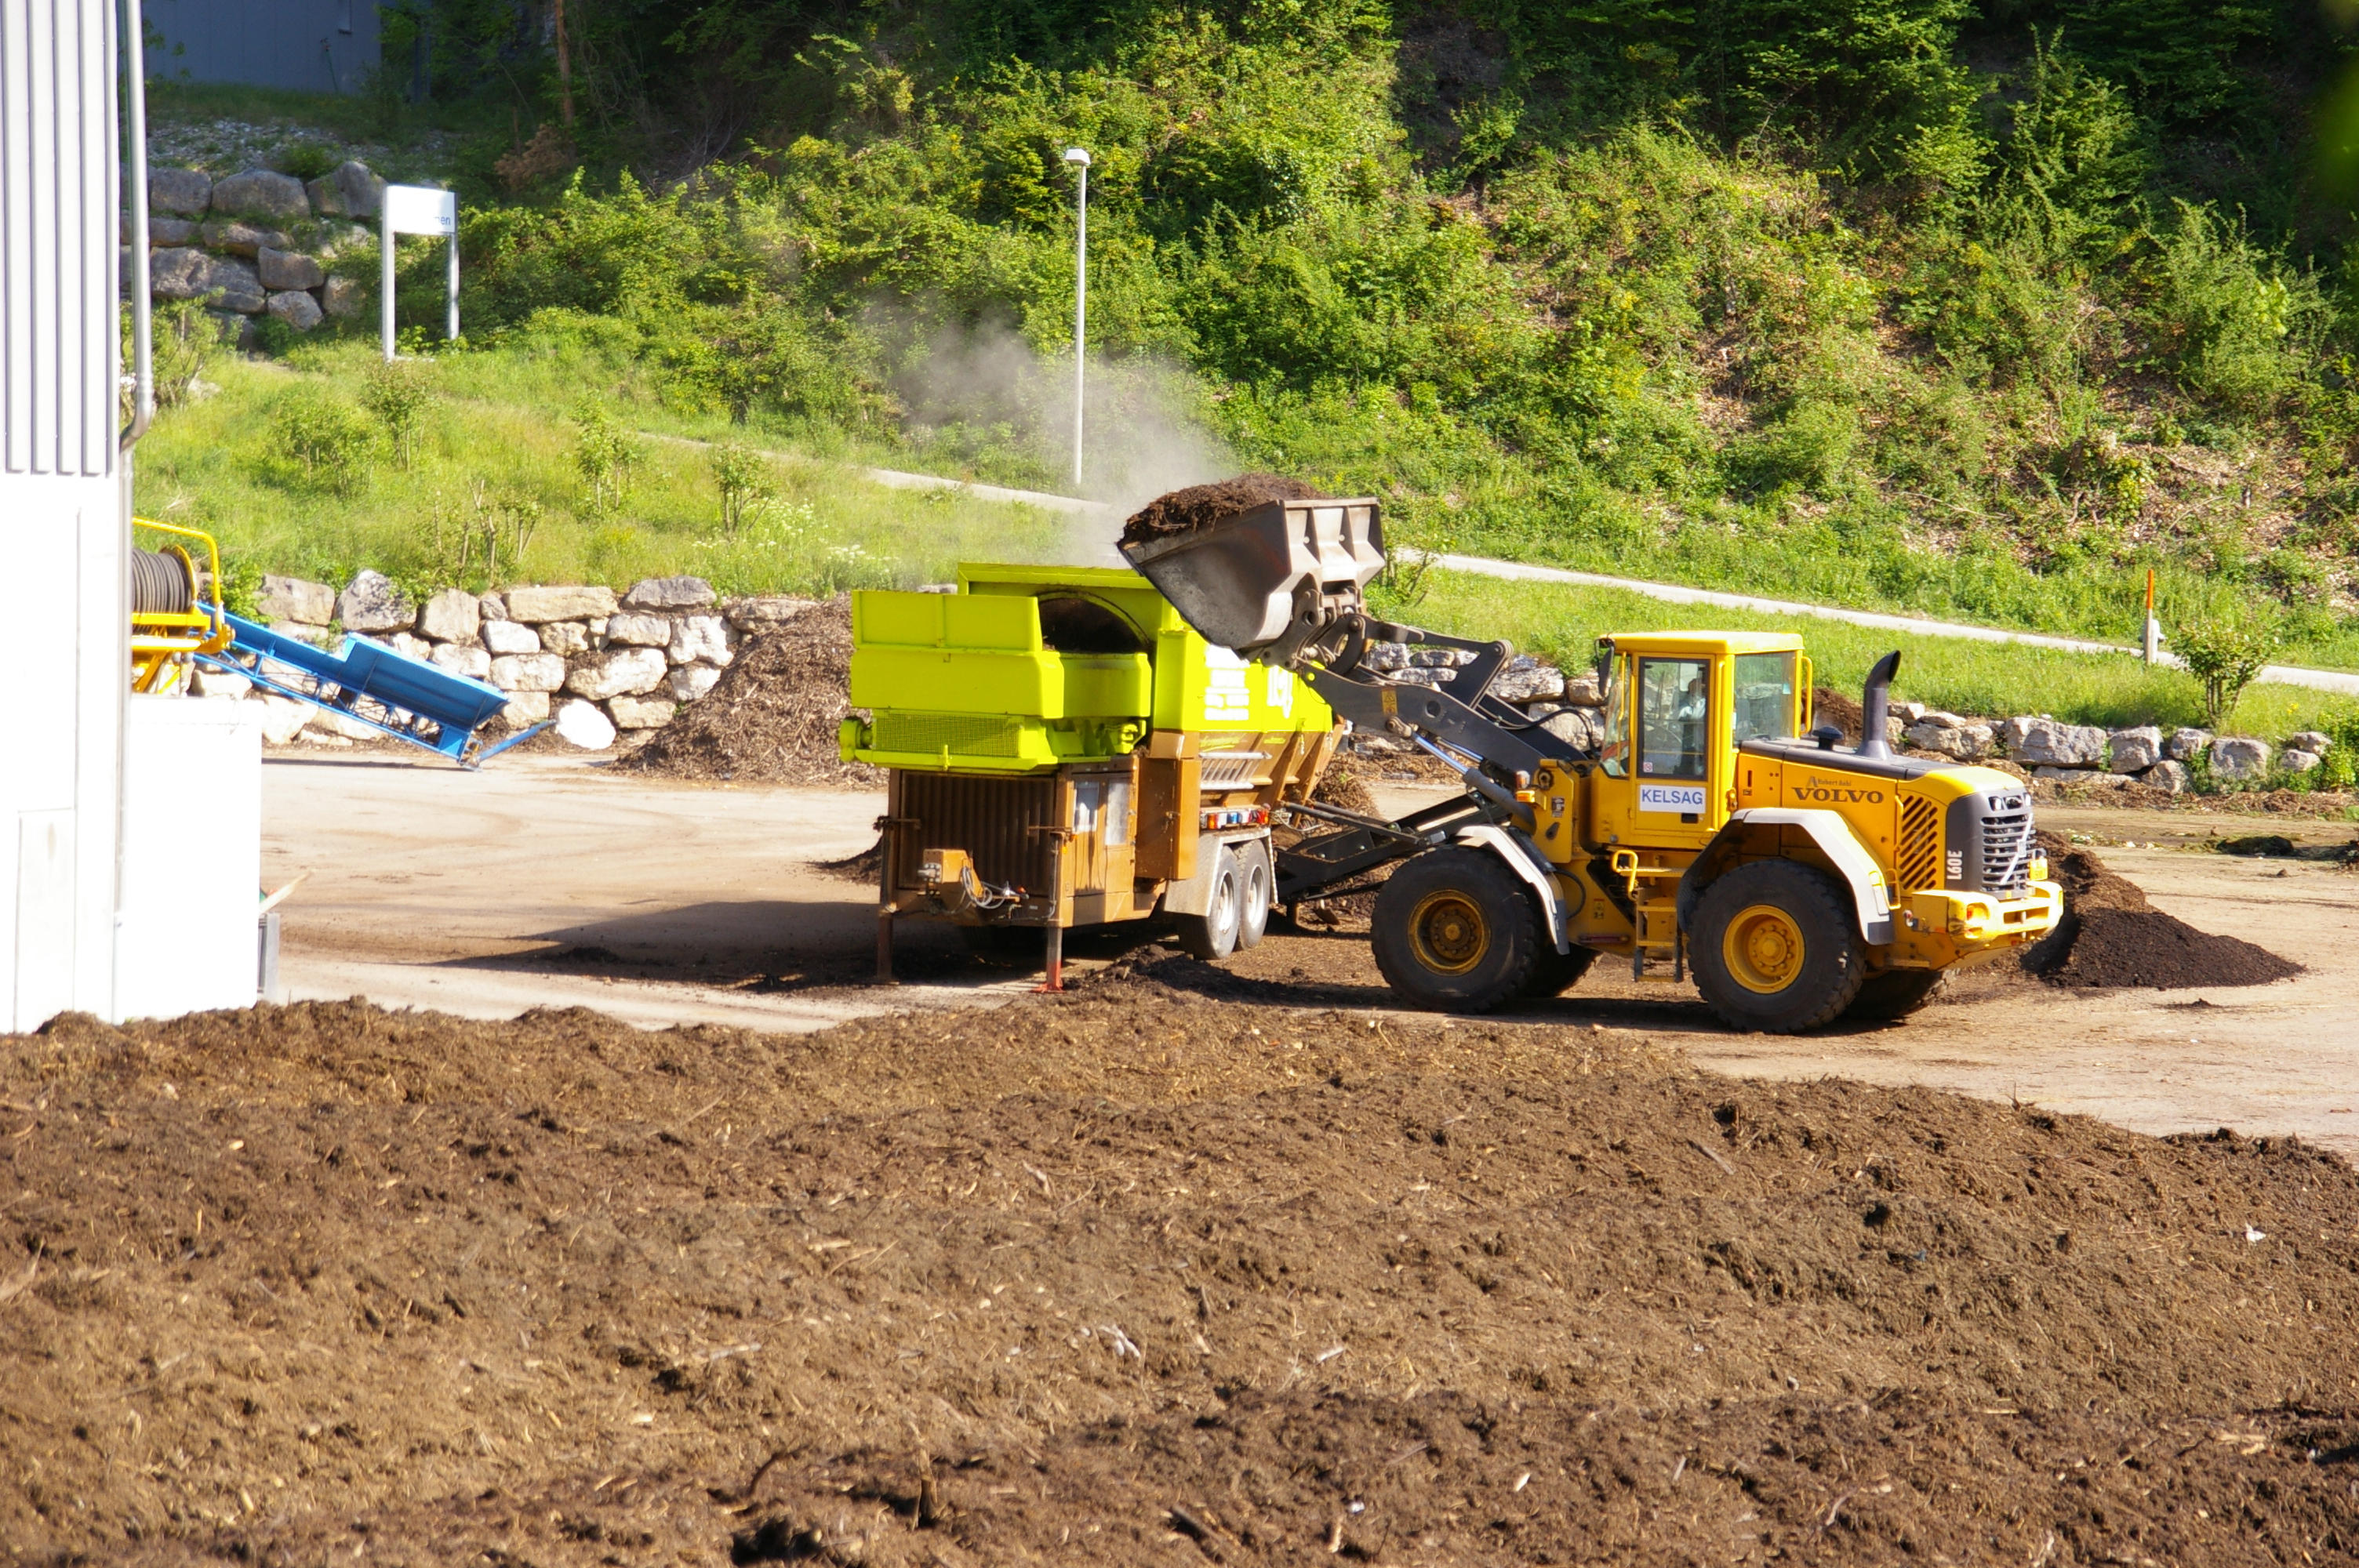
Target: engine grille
[{"x": 2006, "y": 854}]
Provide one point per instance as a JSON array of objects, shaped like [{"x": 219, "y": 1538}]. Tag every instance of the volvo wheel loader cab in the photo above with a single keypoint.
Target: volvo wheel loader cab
[{"x": 1712, "y": 830}]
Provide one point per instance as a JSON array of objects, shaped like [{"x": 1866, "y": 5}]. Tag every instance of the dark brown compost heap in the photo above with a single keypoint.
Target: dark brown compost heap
[
  {"x": 1133, "y": 1276},
  {"x": 1829, "y": 706},
  {"x": 773, "y": 716},
  {"x": 1202, "y": 505},
  {"x": 2111, "y": 937}
]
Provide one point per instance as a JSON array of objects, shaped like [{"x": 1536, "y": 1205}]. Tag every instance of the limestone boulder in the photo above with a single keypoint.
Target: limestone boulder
[
  {"x": 295, "y": 308},
  {"x": 669, "y": 594},
  {"x": 2239, "y": 757},
  {"x": 168, "y": 232},
  {"x": 1582, "y": 691},
  {"x": 528, "y": 672},
  {"x": 220, "y": 682},
  {"x": 633, "y": 631},
  {"x": 510, "y": 637},
  {"x": 762, "y": 612},
  {"x": 341, "y": 297},
  {"x": 1533, "y": 682},
  {"x": 302, "y": 632},
  {"x": 408, "y": 644},
  {"x": 243, "y": 238},
  {"x": 582, "y": 724},
  {"x": 2168, "y": 775},
  {"x": 2315, "y": 741},
  {"x": 294, "y": 599},
  {"x": 453, "y": 615},
  {"x": 2135, "y": 750},
  {"x": 626, "y": 672},
  {"x": 2185, "y": 745},
  {"x": 567, "y": 602},
  {"x": 698, "y": 640},
  {"x": 2294, "y": 760},
  {"x": 2041, "y": 742},
  {"x": 262, "y": 193},
  {"x": 287, "y": 269},
  {"x": 1384, "y": 658},
  {"x": 371, "y": 603},
  {"x": 640, "y": 712},
  {"x": 462, "y": 660},
  {"x": 1949, "y": 734},
  {"x": 495, "y": 606},
  {"x": 363, "y": 189},
  {"x": 524, "y": 709},
  {"x": 567, "y": 637},
  {"x": 689, "y": 682},
  {"x": 1578, "y": 726},
  {"x": 283, "y": 718},
  {"x": 187, "y": 191},
  {"x": 179, "y": 273}
]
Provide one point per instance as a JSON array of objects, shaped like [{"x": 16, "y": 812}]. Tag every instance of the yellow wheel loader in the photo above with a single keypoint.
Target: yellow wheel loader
[{"x": 1713, "y": 831}]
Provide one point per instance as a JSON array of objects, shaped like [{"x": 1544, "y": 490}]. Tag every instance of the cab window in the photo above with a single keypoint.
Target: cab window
[
  {"x": 1765, "y": 696},
  {"x": 1674, "y": 714}
]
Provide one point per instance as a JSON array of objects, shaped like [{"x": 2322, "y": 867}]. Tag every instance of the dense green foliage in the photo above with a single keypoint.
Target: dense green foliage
[{"x": 1976, "y": 306}]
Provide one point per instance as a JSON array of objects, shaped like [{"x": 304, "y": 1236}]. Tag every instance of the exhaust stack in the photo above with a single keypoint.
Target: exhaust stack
[{"x": 1874, "y": 703}]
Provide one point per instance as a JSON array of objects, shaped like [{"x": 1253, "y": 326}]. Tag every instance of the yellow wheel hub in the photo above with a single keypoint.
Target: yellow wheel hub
[
  {"x": 1763, "y": 948},
  {"x": 1449, "y": 933}
]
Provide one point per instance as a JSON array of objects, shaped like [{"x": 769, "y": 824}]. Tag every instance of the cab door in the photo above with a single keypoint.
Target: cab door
[{"x": 1662, "y": 771}]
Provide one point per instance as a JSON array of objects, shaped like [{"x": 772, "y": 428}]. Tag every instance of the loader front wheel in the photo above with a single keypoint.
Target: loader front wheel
[
  {"x": 1454, "y": 931},
  {"x": 1775, "y": 947},
  {"x": 1894, "y": 994}
]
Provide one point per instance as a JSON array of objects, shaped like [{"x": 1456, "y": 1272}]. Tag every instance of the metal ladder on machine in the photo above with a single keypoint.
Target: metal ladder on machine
[{"x": 366, "y": 682}]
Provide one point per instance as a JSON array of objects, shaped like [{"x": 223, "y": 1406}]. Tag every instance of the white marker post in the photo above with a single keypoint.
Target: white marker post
[{"x": 417, "y": 209}]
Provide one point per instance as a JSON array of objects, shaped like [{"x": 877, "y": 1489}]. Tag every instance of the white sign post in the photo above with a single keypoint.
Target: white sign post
[{"x": 417, "y": 209}]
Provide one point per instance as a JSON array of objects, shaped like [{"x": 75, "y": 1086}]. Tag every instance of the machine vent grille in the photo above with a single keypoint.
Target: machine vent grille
[
  {"x": 975, "y": 735},
  {"x": 1232, "y": 770},
  {"x": 1920, "y": 864},
  {"x": 2006, "y": 854}
]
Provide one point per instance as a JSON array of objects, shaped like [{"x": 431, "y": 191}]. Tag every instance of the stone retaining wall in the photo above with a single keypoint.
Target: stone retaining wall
[
  {"x": 258, "y": 243},
  {"x": 636, "y": 657}
]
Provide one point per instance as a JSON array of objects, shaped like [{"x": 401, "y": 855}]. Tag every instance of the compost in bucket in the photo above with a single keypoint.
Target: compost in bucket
[{"x": 1200, "y": 506}]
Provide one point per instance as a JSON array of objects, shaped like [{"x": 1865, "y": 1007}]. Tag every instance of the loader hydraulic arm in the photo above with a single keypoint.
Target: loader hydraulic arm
[{"x": 1466, "y": 719}]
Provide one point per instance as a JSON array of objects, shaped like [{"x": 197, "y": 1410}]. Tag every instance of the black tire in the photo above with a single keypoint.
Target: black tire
[
  {"x": 1254, "y": 894},
  {"x": 1454, "y": 931},
  {"x": 1213, "y": 935},
  {"x": 1553, "y": 974},
  {"x": 1789, "y": 928},
  {"x": 1896, "y": 993}
]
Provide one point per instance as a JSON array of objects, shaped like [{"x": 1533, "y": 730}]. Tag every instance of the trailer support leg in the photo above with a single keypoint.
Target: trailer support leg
[
  {"x": 885, "y": 946},
  {"x": 1056, "y": 961}
]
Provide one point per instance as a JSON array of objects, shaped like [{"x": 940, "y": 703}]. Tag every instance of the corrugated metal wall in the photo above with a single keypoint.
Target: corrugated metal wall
[
  {"x": 57, "y": 255},
  {"x": 312, "y": 46}
]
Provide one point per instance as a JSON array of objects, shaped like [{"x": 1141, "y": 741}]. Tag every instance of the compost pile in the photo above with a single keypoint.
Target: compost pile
[
  {"x": 1132, "y": 1276},
  {"x": 1841, "y": 709},
  {"x": 1202, "y": 505},
  {"x": 2111, "y": 936},
  {"x": 773, "y": 716}
]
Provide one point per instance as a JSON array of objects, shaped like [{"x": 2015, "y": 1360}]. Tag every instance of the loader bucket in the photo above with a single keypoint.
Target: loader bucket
[{"x": 1264, "y": 581}]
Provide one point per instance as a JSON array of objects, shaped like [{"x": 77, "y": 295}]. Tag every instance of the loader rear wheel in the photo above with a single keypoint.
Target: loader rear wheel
[
  {"x": 1896, "y": 993},
  {"x": 1775, "y": 947},
  {"x": 1213, "y": 935},
  {"x": 1454, "y": 930}
]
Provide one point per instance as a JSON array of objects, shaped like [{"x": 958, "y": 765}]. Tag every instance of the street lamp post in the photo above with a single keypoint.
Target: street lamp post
[{"x": 1081, "y": 162}]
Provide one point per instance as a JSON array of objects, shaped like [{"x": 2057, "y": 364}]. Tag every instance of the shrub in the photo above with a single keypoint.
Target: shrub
[
  {"x": 397, "y": 394},
  {"x": 603, "y": 455},
  {"x": 326, "y": 440},
  {"x": 2224, "y": 654},
  {"x": 743, "y": 476},
  {"x": 2230, "y": 326}
]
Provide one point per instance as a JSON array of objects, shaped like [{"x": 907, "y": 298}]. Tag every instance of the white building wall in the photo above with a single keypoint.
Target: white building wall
[{"x": 62, "y": 509}]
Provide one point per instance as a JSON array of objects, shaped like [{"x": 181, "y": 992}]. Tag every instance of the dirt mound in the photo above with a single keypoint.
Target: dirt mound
[
  {"x": 773, "y": 716},
  {"x": 1829, "y": 706},
  {"x": 1344, "y": 788},
  {"x": 1202, "y": 505},
  {"x": 1132, "y": 1275},
  {"x": 2111, "y": 936}
]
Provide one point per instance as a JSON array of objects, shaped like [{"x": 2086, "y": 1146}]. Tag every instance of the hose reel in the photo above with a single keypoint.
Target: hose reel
[{"x": 163, "y": 582}]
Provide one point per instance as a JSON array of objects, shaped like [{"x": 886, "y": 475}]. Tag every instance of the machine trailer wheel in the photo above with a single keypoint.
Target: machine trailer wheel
[
  {"x": 1253, "y": 895},
  {"x": 1213, "y": 935},
  {"x": 1775, "y": 948},
  {"x": 1454, "y": 930},
  {"x": 1896, "y": 993}
]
